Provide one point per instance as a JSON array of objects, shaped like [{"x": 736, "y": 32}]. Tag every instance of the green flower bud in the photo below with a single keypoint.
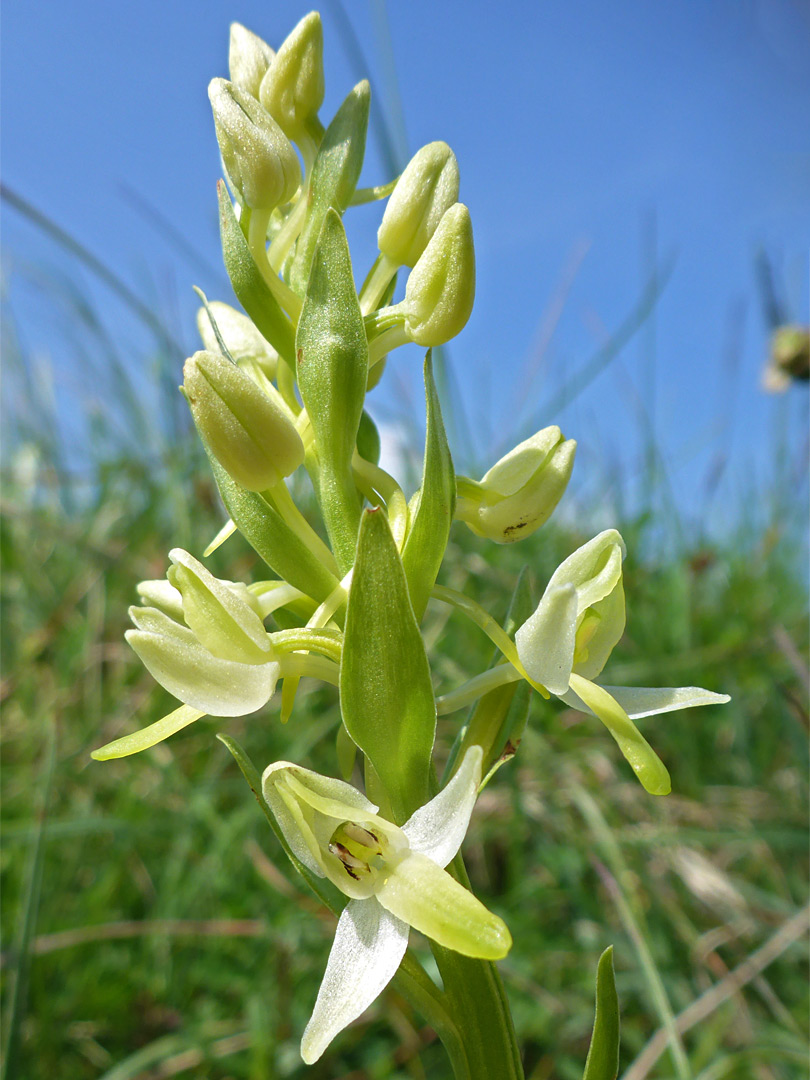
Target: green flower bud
[
  {"x": 427, "y": 188},
  {"x": 248, "y": 59},
  {"x": 242, "y": 340},
  {"x": 441, "y": 287},
  {"x": 251, "y": 434},
  {"x": 260, "y": 161},
  {"x": 520, "y": 492},
  {"x": 293, "y": 87}
]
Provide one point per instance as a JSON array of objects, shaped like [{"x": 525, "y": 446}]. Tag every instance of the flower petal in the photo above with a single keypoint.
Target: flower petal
[
  {"x": 545, "y": 642},
  {"x": 638, "y": 701},
  {"x": 148, "y": 736},
  {"x": 220, "y": 619},
  {"x": 174, "y": 657},
  {"x": 426, "y": 897},
  {"x": 516, "y": 469},
  {"x": 301, "y": 828},
  {"x": 644, "y": 761},
  {"x": 162, "y": 595},
  {"x": 438, "y": 828},
  {"x": 368, "y": 947},
  {"x": 593, "y": 569},
  {"x": 609, "y": 629}
]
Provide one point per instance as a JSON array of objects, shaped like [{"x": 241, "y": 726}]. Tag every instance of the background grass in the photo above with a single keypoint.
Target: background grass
[{"x": 150, "y": 927}]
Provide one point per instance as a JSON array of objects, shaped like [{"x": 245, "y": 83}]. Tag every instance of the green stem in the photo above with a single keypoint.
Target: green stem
[
  {"x": 257, "y": 242},
  {"x": 478, "y": 1004},
  {"x": 376, "y": 283},
  {"x": 283, "y": 502},
  {"x": 476, "y": 687},
  {"x": 327, "y": 642},
  {"x": 494, "y": 631},
  {"x": 415, "y": 985}
]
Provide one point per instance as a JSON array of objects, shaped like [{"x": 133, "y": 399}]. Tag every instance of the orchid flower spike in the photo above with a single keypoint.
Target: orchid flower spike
[
  {"x": 566, "y": 642},
  {"x": 395, "y": 879}
]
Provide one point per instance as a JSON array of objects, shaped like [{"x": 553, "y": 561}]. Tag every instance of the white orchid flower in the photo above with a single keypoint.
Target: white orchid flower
[
  {"x": 395, "y": 879},
  {"x": 567, "y": 641},
  {"x": 204, "y": 641}
]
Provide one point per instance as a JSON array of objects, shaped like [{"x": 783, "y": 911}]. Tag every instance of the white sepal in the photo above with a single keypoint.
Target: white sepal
[
  {"x": 438, "y": 828},
  {"x": 175, "y": 658},
  {"x": 639, "y": 701},
  {"x": 546, "y": 641},
  {"x": 368, "y": 947}
]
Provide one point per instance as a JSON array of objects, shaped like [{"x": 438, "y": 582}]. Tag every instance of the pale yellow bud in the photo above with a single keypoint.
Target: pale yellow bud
[
  {"x": 427, "y": 188},
  {"x": 248, "y": 59},
  {"x": 251, "y": 434},
  {"x": 520, "y": 492},
  {"x": 260, "y": 160},
  {"x": 440, "y": 290},
  {"x": 293, "y": 87}
]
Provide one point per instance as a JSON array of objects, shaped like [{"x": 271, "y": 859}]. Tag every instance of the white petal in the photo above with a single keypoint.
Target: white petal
[
  {"x": 545, "y": 642},
  {"x": 174, "y": 657},
  {"x": 607, "y": 634},
  {"x": 516, "y": 469},
  {"x": 224, "y": 622},
  {"x": 438, "y": 828},
  {"x": 367, "y": 950},
  {"x": 593, "y": 568},
  {"x": 162, "y": 595},
  {"x": 350, "y": 804},
  {"x": 648, "y": 700}
]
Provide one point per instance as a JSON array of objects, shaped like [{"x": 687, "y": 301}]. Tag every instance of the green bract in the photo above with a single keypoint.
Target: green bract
[
  {"x": 332, "y": 365},
  {"x": 386, "y": 696}
]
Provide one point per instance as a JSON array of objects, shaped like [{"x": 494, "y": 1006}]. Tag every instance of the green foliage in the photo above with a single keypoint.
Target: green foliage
[
  {"x": 431, "y": 509},
  {"x": 332, "y": 368},
  {"x": 386, "y": 696},
  {"x": 603, "y": 1054}
]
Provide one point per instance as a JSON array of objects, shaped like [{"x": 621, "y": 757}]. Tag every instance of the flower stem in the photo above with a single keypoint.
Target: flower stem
[{"x": 477, "y": 1001}]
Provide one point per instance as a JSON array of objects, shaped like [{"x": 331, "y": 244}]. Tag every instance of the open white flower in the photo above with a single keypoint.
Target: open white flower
[
  {"x": 394, "y": 877},
  {"x": 566, "y": 642}
]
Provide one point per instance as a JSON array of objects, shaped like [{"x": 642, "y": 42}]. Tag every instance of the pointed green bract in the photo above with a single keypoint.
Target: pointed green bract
[
  {"x": 334, "y": 176},
  {"x": 603, "y": 1055},
  {"x": 386, "y": 694},
  {"x": 432, "y": 507},
  {"x": 332, "y": 365},
  {"x": 251, "y": 289},
  {"x": 272, "y": 538}
]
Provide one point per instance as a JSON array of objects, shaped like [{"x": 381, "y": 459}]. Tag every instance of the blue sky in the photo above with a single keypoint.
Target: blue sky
[{"x": 593, "y": 139}]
